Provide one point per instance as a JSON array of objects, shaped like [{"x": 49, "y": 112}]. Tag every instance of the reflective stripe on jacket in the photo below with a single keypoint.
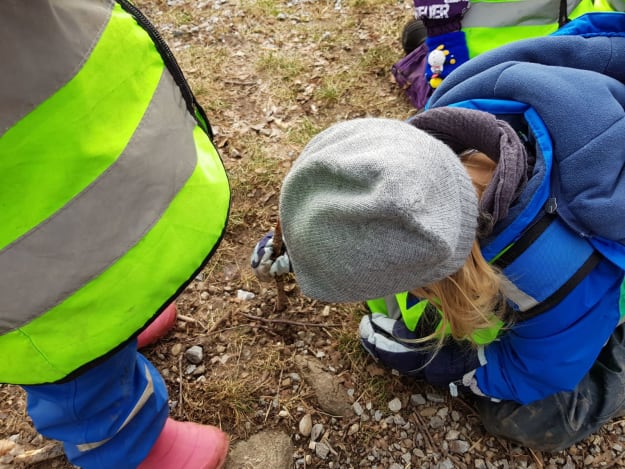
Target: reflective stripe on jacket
[{"x": 112, "y": 194}]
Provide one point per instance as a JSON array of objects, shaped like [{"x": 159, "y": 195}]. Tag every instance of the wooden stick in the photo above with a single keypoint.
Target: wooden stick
[
  {"x": 281, "y": 300},
  {"x": 287, "y": 321},
  {"x": 50, "y": 451}
]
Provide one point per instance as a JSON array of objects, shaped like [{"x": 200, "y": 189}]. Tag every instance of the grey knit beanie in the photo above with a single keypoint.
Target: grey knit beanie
[{"x": 374, "y": 207}]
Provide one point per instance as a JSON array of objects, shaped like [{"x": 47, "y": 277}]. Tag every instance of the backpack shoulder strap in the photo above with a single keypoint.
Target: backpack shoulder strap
[{"x": 544, "y": 265}]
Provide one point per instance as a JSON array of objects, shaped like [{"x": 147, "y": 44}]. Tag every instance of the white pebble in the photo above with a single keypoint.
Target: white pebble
[
  {"x": 395, "y": 405},
  {"x": 305, "y": 425},
  {"x": 245, "y": 295}
]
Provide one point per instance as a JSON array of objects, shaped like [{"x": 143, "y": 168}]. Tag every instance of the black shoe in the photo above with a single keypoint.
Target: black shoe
[{"x": 413, "y": 35}]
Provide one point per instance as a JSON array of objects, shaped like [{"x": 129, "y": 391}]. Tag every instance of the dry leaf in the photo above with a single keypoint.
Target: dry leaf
[{"x": 6, "y": 446}]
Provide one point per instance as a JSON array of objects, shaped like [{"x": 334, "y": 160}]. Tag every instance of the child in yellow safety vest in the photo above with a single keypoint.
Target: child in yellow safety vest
[
  {"x": 106, "y": 161},
  {"x": 443, "y": 35}
]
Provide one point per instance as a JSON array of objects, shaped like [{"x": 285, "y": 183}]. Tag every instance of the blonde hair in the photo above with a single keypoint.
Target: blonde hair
[
  {"x": 469, "y": 299},
  {"x": 472, "y": 298}
]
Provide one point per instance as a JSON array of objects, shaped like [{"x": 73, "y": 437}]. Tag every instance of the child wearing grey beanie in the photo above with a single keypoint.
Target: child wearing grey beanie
[
  {"x": 374, "y": 207},
  {"x": 488, "y": 245}
]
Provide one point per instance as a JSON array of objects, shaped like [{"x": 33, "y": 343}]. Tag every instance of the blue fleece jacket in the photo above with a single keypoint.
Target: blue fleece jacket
[
  {"x": 574, "y": 82},
  {"x": 577, "y": 86}
]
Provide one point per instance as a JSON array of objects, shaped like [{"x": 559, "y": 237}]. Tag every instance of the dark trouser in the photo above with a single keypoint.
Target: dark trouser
[{"x": 563, "y": 419}]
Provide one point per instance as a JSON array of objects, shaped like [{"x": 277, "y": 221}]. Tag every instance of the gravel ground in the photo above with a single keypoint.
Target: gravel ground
[{"x": 293, "y": 389}]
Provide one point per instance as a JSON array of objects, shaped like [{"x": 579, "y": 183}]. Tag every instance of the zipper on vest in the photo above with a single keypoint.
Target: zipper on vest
[{"x": 172, "y": 65}]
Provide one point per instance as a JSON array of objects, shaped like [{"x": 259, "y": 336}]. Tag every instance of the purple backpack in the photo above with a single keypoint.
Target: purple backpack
[
  {"x": 409, "y": 74},
  {"x": 442, "y": 19}
]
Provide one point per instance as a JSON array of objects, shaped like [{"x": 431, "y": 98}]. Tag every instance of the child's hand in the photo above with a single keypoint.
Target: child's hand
[
  {"x": 390, "y": 342},
  {"x": 264, "y": 265}
]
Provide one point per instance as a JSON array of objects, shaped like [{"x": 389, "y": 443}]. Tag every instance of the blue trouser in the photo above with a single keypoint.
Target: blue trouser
[{"x": 108, "y": 417}]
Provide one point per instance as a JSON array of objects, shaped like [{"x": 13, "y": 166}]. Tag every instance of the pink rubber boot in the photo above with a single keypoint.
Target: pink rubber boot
[
  {"x": 159, "y": 327},
  {"x": 186, "y": 445}
]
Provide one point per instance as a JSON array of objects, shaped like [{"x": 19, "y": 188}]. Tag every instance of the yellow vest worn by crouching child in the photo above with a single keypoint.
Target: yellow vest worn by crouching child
[{"x": 493, "y": 23}]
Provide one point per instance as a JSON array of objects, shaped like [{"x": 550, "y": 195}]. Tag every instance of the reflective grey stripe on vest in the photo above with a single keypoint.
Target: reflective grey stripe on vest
[
  {"x": 514, "y": 13},
  {"x": 50, "y": 262},
  {"x": 393, "y": 310},
  {"x": 61, "y": 35},
  {"x": 618, "y": 5}
]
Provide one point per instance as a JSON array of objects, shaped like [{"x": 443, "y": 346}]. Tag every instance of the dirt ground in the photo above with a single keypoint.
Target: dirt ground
[{"x": 270, "y": 74}]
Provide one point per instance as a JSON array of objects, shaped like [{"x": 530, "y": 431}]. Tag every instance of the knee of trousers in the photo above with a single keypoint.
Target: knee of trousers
[{"x": 533, "y": 426}]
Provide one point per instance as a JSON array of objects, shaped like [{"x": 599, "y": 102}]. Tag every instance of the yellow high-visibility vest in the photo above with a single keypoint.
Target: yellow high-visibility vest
[
  {"x": 112, "y": 194},
  {"x": 492, "y": 23}
]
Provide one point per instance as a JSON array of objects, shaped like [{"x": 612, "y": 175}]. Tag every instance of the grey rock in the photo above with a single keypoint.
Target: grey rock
[
  {"x": 459, "y": 446},
  {"x": 265, "y": 450},
  {"x": 353, "y": 428},
  {"x": 446, "y": 464},
  {"x": 245, "y": 295},
  {"x": 331, "y": 395},
  {"x": 199, "y": 370},
  {"x": 194, "y": 354},
  {"x": 435, "y": 397},
  {"x": 417, "y": 399},
  {"x": 436, "y": 422},
  {"x": 316, "y": 432},
  {"x": 322, "y": 450}
]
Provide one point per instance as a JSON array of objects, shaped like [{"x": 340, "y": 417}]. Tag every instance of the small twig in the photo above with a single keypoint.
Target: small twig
[
  {"x": 286, "y": 321},
  {"x": 267, "y": 197},
  {"x": 336, "y": 416},
  {"x": 456, "y": 460},
  {"x": 241, "y": 83},
  {"x": 269, "y": 330},
  {"x": 180, "y": 398},
  {"x": 360, "y": 397},
  {"x": 428, "y": 438},
  {"x": 186, "y": 318},
  {"x": 505, "y": 444},
  {"x": 471, "y": 410},
  {"x": 474, "y": 445},
  {"x": 537, "y": 460},
  {"x": 325, "y": 439},
  {"x": 347, "y": 425},
  {"x": 189, "y": 319},
  {"x": 281, "y": 300},
  {"x": 219, "y": 322},
  {"x": 617, "y": 421},
  {"x": 276, "y": 399},
  {"x": 49, "y": 451}
]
